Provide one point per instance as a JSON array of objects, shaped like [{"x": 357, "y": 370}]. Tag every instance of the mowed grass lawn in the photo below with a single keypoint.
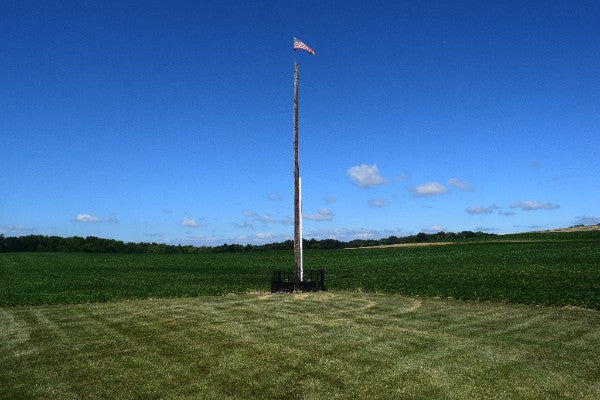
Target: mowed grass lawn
[{"x": 328, "y": 345}]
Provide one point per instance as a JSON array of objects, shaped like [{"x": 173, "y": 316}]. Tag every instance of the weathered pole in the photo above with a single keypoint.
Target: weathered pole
[
  {"x": 301, "y": 237},
  {"x": 297, "y": 244}
]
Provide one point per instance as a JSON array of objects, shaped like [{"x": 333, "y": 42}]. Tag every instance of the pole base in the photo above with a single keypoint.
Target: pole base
[{"x": 283, "y": 281}]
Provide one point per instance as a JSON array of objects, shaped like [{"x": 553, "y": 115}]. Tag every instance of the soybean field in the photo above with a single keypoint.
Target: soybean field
[{"x": 550, "y": 272}]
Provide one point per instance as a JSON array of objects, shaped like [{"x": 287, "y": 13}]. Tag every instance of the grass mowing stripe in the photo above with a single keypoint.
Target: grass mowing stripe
[{"x": 327, "y": 345}]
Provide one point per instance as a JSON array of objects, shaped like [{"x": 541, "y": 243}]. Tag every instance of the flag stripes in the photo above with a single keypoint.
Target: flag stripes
[{"x": 299, "y": 44}]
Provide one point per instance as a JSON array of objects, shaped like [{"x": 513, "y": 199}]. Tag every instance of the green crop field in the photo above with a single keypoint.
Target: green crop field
[
  {"x": 462, "y": 321},
  {"x": 552, "y": 272}
]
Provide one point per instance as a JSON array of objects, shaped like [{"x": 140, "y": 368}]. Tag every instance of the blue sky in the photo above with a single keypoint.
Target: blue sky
[{"x": 172, "y": 121}]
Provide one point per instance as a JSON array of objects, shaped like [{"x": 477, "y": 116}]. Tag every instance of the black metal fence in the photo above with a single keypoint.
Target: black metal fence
[{"x": 282, "y": 281}]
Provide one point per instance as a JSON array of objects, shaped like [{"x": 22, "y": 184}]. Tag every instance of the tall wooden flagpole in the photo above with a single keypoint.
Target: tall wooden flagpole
[
  {"x": 298, "y": 272},
  {"x": 297, "y": 238}
]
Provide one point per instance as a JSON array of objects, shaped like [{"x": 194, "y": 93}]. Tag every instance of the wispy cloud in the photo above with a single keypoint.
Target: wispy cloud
[
  {"x": 244, "y": 225},
  {"x": 191, "y": 223},
  {"x": 535, "y": 165},
  {"x": 154, "y": 234},
  {"x": 324, "y": 214},
  {"x": 266, "y": 218},
  {"x": 485, "y": 229},
  {"x": 587, "y": 220},
  {"x": 347, "y": 234},
  {"x": 457, "y": 183},
  {"x": 16, "y": 230},
  {"x": 429, "y": 189},
  {"x": 264, "y": 235},
  {"x": 86, "y": 218},
  {"x": 507, "y": 213},
  {"x": 534, "y": 205},
  {"x": 535, "y": 227},
  {"x": 158, "y": 237},
  {"x": 402, "y": 176},
  {"x": 275, "y": 196},
  {"x": 201, "y": 240},
  {"x": 271, "y": 237},
  {"x": 481, "y": 210},
  {"x": 365, "y": 175},
  {"x": 433, "y": 229},
  {"x": 379, "y": 202},
  {"x": 90, "y": 219},
  {"x": 329, "y": 199}
]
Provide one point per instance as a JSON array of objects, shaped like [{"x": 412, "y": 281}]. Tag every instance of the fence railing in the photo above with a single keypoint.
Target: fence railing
[{"x": 282, "y": 281}]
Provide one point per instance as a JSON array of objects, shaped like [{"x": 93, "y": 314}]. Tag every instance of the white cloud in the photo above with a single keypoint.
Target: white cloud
[
  {"x": 324, "y": 214},
  {"x": 534, "y": 205},
  {"x": 481, "y": 210},
  {"x": 433, "y": 229},
  {"x": 457, "y": 183},
  {"x": 330, "y": 199},
  {"x": 587, "y": 220},
  {"x": 365, "y": 175},
  {"x": 86, "y": 218},
  {"x": 379, "y": 202},
  {"x": 264, "y": 235},
  {"x": 191, "y": 223},
  {"x": 429, "y": 189},
  {"x": 248, "y": 213}
]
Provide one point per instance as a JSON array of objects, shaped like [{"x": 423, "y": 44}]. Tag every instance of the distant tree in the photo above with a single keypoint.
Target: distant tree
[{"x": 421, "y": 237}]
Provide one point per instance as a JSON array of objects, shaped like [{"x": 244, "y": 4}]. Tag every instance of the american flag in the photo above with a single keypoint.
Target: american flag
[{"x": 299, "y": 44}]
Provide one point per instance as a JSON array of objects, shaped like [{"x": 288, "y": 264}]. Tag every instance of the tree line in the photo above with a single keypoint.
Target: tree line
[{"x": 92, "y": 244}]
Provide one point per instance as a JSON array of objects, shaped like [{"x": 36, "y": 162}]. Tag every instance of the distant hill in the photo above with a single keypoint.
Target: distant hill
[
  {"x": 579, "y": 232},
  {"x": 576, "y": 228}
]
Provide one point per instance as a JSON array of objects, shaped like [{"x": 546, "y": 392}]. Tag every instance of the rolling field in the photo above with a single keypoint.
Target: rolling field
[
  {"x": 328, "y": 345},
  {"x": 551, "y": 272},
  {"x": 430, "y": 322}
]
